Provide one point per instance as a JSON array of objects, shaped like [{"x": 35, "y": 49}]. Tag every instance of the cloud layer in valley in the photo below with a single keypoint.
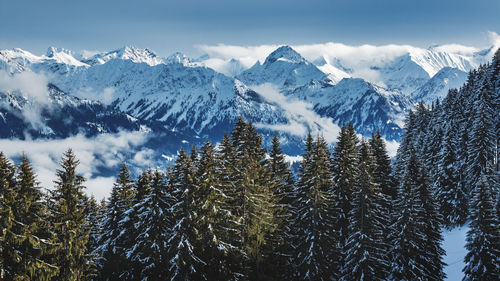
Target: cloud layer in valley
[
  {"x": 302, "y": 118},
  {"x": 102, "y": 152}
]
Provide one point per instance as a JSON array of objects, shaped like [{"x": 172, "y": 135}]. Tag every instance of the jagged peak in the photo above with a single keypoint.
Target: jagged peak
[
  {"x": 285, "y": 53},
  {"x": 134, "y": 54},
  {"x": 64, "y": 56},
  {"x": 52, "y": 51},
  {"x": 178, "y": 57}
]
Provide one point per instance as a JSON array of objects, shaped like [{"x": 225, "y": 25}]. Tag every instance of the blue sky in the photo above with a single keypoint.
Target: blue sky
[{"x": 168, "y": 26}]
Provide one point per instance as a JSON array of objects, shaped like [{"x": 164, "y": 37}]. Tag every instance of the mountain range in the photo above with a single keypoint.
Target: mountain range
[{"x": 184, "y": 101}]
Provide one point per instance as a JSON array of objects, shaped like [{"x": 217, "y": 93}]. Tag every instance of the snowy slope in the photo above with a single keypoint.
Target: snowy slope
[
  {"x": 59, "y": 116},
  {"x": 454, "y": 245},
  {"x": 133, "y": 54},
  {"x": 402, "y": 68},
  {"x": 437, "y": 87},
  {"x": 369, "y": 107},
  {"x": 284, "y": 68},
  {"x": 188, "y": 98}
]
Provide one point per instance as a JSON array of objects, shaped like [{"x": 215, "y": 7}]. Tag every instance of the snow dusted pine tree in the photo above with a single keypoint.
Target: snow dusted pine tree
[
  {"x": 432, "y": 253},
  {"x": 315, "y": 240},
  {"x": 382, "y": 175},
  {"x": 365, "y": 248},
  {"x": 250, "y": 201},
  {"x": 227, "y": 230},
  {"x": 149, "y": 256},
  {"x": 278, "y": 264},
  {"x": 8, "y": 239},
  {"x": 209, "y": 216},
  {"x": 185, "y": 262},
  {"x": 408, "y": 241},
  {"x": 111, "y": 253},
  {"x": 345, "y": 171},
  {"x": 483, "y": 238},
  {"x": 130, "y": 226},
  {"x": 32, "y": 228},
  {"x": 68, "y": 217},
  {"x": 451, "y": 195}
]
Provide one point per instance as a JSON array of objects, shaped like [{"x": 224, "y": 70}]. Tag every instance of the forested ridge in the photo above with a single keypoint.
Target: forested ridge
[{"x": 235, "y": 211}]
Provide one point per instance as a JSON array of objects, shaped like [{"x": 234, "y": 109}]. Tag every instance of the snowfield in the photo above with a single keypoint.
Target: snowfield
[{"x": 454, "y": 244}]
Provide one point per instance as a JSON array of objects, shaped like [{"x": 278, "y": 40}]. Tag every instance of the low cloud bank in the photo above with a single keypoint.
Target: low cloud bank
[
  {"x": 103, "y": 151},
  {"x": 302, "y": 118}
]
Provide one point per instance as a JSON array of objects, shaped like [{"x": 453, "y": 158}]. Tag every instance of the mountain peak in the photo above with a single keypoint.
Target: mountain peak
[
  {"x": 179, "y": 58},
  {"x": 64, "y": 56},
  {"x": 285, "y": 53},
  {"x": 52, "y": 51},
  {"x": 134, "y": 54}
]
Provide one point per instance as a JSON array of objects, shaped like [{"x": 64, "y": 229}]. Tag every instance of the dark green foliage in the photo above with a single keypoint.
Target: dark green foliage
[
  {"x": 9, "y": 257},
  {"x": 365, "y": 247},
  {"x": 111, "y": 250},
  {"x": 278, "y": 261},
  {"x": 184, "y": 258},
  {"x": 30, "y": 226},
  {"x": 68, "y": 217},
  {"x": 149, "y": 257},
  {"x": 382, "y": 175},
  {"x": 451, "y": 193},
  {"x": 408, "y": 239},
  {"x": 345, "y": 171},
  {"x": 483, "y": 238},
  {"x": 208, "y": 217},
  {"x": 316, "y": 245},
  {"x": 131, "y": 227}
]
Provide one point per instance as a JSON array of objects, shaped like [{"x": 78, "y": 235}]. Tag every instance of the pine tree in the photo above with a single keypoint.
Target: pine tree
[
  {"x": 149, "y": 258},
  {"x": 9, "y": 241},
  {"x": 345, "y": 171},
  {"x": 382, "y": 176},
  {"x": 111, "y": 252},
  {"x": 130, "y": 226},
  {"x": 278, "y": 264},
  {"x": 249, "y": 201},
  {"x": 481, "y": 148},
  {"x": 30, "y": 226},
  {"x": 483, "y": 238},
  {"x": 185, "y": 261},
  {"x": 95, "y": 216},
  {"x": 432, "y": 253},
  {"x": 315, "y": 244},
  {"x": 451, "y": 195},
  {"x": 365, "y": 247},
  {"x": 209, "y": 216},
  {"x": 68, "y": 218},
  {"x": 384, "y": 179},
  {"x": 408, "y": 239},
  {"x": 227, "y": 230}
]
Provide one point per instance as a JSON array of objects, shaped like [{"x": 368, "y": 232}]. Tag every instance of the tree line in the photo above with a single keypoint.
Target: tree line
[{"x": 235, "y": 211}]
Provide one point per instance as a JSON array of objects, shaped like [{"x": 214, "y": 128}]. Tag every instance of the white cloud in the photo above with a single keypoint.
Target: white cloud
[
  {"x": 247, "y": 55},
  {"x": 302, "y": 118},
  {"x": 107, "y": 150},
  {"x": 357, "y": 61},
  {"x": 31, "y": 85},
  {"x": 33, "y": 92},
  {"x": 105, "y": 97}
]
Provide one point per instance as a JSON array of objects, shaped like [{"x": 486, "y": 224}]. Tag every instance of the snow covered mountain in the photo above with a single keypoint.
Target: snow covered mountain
[
  {"x": 184, "y": 101},
  {"x": 438, "y": 86},
  {"x": 400, "y": 68},
  {"x": 59, "y": 116},
  {"x": 284, "y": 68},
  {"x": 368, "y": 106}
]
